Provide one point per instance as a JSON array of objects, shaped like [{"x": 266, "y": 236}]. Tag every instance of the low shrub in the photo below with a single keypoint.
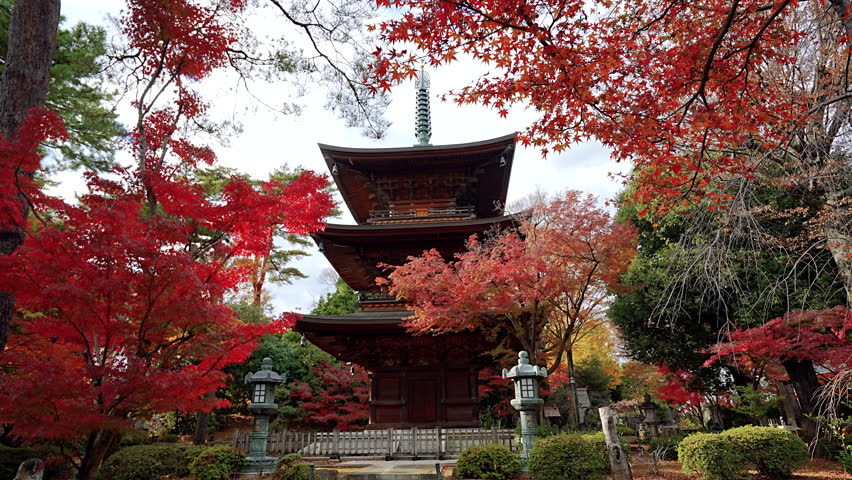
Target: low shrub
[
  {"x": 569, "y": 457},
  {"x": 496, "y": 462},
  {"x": 291, "y": 467},
  {"x": 665, "y": 448},
  {"x": 168, "y": 437},
  {"x": 135, "y": 437},
  {"x": 773, "y": 451},
  {"x": 625, "y": 430},
  {"x": 217, "y": 463},
  {"x": 149, "y": 462},
  {"x": 711, "y": 454},
  {"x": 845, "y": 459}
]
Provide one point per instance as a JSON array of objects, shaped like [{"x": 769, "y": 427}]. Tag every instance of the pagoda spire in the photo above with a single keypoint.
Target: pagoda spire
[{"x": 423, "y": 116}]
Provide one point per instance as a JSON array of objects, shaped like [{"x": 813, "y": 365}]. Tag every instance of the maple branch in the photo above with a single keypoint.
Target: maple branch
[{"x": 708, "y": 65}]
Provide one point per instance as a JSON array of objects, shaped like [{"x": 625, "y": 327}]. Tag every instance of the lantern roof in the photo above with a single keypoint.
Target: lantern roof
[
  {"x": 265, "y": 374},
  {"x": 523, "y": 369}
]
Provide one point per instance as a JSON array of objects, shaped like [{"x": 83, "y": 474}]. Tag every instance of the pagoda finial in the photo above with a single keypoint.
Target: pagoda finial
[{"x": 423, "y": 119}]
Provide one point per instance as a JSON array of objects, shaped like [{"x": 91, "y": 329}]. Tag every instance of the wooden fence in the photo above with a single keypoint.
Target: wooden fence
[{"x": 391, "y": 443}]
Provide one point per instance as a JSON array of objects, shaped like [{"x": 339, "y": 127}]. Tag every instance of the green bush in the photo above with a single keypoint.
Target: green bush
[
  {"x": 569, "y": 457},
  {"x": 773, "y": 451},
  {"x": 291, "y": 467},
  {"x": 496, "y": 462},
  {"x": 149, "y": 462},
  {"x": 217, "y": 463},
  {"x": 845, "y": 459},
  {"x": 665, "y": 448},
  {"x": 623, "y": 429},
  {"x": 168, "y": 437},
  {"x": 712, "y": 454},
  {"x": 135, "y": 437}
]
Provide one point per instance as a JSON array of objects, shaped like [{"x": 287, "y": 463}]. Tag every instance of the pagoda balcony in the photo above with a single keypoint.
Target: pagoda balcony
[
  {"x": 379, "y": 301},
  {"x": 416, "y": 214}
]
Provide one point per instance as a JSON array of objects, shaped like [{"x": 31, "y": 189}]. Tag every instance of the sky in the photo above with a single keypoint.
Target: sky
[{"x": 270, "y": 140}]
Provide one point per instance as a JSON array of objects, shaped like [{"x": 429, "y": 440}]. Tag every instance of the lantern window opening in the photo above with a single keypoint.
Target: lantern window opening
[
  {"x": 527, "y": 388},
  {"x": 259, "y": 393}
]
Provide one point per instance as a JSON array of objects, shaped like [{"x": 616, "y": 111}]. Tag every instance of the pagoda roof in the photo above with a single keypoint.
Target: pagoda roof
[
  {"x": 353, "y": 322},
  {"x": 487, "y": 164},
  {"x": 355, "y": 250}
]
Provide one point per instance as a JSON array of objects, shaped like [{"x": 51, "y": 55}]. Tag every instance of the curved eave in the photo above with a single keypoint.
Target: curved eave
[
  {"x": 420, "y": 231},
  {"x": 360, "y": 323},
  {"x": 354, "y": 167},
  {"x": 345, "y": 245}
]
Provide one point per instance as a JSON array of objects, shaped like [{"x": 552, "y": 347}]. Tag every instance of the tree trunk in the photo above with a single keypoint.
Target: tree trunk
[
  {"x": 572, "y": 384},
  {"x": 31, "y": 44},
  {"x": 617, "y": 455},
  {"x": 839, "y": 242},
  {"x": 97, "y": 447},
  {"x": 201, "y": 425},
  {"x": 791, "y": 408},
  {"x": 805, "y": 383}
]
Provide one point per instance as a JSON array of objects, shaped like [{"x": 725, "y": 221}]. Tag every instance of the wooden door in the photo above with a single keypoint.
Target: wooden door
[{"x": 423, "y": 400}]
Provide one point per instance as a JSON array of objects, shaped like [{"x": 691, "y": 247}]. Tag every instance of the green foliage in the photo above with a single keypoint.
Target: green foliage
[
  {"x": 711, "y": 454},
  {"x": 291, "y": 467},
  {"x": 623, "y": 429},
  {"x": 665, "y": 448},
  {"x": 772, "y": 451},
  {"x": 343, "y": 300},
  {"x": 496, "y": 462},
  {"x": 590, "y": 373},
  {"x": 168, "y": 438},
  {"x": 569, "y": 457},
  {"x": 288, "y": 356},
  {"x": 217, "y": 463},
  {"x": 756, "y": 404},
  {"x": 149, "y": 462},
  {"x": 845, "y": 459},
  {"x": 135, "y": 437}
]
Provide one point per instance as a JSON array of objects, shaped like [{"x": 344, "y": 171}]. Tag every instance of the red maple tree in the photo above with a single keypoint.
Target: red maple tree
[
  {"x": 339, "y": 400},
  {"x": 540, "y": 285},
  {"x": 706, "y": 99},
  {"x": 119, "y": 296}
]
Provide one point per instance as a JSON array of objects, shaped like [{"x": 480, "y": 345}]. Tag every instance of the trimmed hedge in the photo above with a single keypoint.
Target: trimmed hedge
[
  {"x": 217, "y": 463},
  {"x": 712, "y": 454},
  {"x": 569, "y": 457},
  {"x": 291, "y": 467},
  {"x": 772, "y": 451},
  {"x": 149, "y": 462},
  {"x": 496, "y": 462}
]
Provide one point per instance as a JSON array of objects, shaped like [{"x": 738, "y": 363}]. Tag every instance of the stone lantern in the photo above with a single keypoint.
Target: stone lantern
[
  {"x": 526, "y": 401},
  {"x": 649, "y": 417},
  {"x": 262, "y": 384}
]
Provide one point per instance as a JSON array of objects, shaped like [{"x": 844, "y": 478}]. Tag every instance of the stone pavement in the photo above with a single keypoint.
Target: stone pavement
[{"x": 385, "y": 470}]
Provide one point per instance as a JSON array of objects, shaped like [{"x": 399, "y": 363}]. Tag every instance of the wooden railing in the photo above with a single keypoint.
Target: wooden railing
[
  {"x": 391, "y": 443},
  {"x": 405, "y": 213}
]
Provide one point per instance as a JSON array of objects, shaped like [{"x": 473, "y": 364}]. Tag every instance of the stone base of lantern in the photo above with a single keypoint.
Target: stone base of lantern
[{"x": 258, "y": 466}]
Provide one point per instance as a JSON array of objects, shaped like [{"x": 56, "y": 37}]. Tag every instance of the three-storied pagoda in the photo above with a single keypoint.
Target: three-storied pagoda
[{"x": 405, "y": 201}]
